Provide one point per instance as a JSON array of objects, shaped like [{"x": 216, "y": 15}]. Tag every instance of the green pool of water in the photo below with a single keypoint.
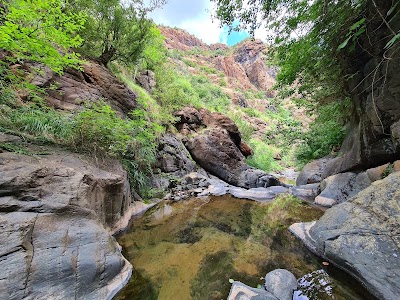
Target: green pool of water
[{"x": 190, "y": 249}]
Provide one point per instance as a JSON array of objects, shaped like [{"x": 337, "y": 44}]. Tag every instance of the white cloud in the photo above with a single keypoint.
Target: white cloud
[{"x": 193, "y": 16}]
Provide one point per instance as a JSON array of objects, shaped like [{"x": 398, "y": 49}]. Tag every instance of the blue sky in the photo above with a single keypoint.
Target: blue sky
[{"x": 195, "y": 17}]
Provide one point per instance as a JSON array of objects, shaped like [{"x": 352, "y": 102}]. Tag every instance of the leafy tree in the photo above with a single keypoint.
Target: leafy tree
[
  {"x": 154, "y": 52},
  {"x": 319, "y": 45},
  {"x": 115, "y": 30},
  {"x": 40, "y": 31}
]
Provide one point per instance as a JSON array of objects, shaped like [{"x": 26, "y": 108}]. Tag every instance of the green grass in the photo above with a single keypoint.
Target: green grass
[{"x": 263, "y": 157}]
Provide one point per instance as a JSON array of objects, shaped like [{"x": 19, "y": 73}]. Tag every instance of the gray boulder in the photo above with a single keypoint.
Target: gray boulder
[
  {"x": 56, "y": 214},
  {"x": 361, "y": 236},
  {"x": 281, "y": 283},
  {"x": 240, "y": 291},
  {"x": 339, "y": 188},
  {"x": 147, "y": 80},
  {"x": 312, "y": 172},
  {"x": 173, "y": 162},
  {"x": 306, "y": 192}
]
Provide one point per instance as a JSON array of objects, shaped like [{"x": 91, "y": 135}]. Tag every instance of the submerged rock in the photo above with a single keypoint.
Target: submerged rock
[
  {"x": 240, "y": 291},
  {"x": 281, "y": 283},
  {"x": 361, "y": 236}
]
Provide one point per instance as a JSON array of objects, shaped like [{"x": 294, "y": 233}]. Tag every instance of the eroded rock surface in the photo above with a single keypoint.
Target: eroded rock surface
[
  {"x": 215, "y": 143},
  {"x": 373, "y": 135},
  {"x": 362, "y": 236},
  {"x": 93, "y": 84},
  {"x": 54, "y": 211},
  {"x": 312, "y": 172}
]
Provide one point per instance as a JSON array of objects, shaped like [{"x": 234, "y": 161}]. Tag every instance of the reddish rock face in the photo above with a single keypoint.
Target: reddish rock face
[
  {"x": 245, "y": 149},
  {"x": 244, "y": 65},
  {"x": 233, "y": 70},
  {"x": 180, "y": 39},
  {"x": 192, "y": 121},
  {"x": 93, "y": 84}
]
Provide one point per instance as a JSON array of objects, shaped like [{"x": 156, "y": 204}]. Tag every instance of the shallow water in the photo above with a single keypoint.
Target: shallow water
[{"x": 190, "y": 249}]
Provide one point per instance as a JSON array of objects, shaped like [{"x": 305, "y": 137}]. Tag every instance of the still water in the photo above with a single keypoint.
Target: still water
[{"x": 190, "y": 249}]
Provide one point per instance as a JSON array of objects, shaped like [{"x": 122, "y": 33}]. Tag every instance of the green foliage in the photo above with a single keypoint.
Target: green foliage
[
  {"x": 244, "y": 127},
  {"x": 263, "y": 157},
  {"x": 388, "y": 170},
  {"x": 222, "y": 82},
  {"x": 154, "y": 53},
  {"x": 325, "y": 134},
  {"x": 98, "y": 130},
  {"x": 251, "y": 112},
  {"x": 208, "y": 70},
  {"x": 175, "y": 90},
  {"x": 190, "y": 63},
  {"x": 210, "y": 95},
  {"x": 117, "y": 31},
  {"x": 43, "y": 123},
  {"x": 40, "y": 31},
  {"x": 156, "y": 114}
]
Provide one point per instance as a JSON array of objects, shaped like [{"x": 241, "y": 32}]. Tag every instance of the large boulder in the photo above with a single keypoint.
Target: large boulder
[
  {"x": 56, "y": 214},
  {"x": 173, "y": 157},
  {"x": 214, "y": 150},
  {"x": 215, "y": 143},
  {"x": 361, "y": 236},
  {"x": 339, "y": 188},
  {"x": 312, "y": 172},
  {"x": 147, "y": 80}
]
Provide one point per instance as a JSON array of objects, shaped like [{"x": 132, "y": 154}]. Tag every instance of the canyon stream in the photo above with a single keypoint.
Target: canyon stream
[{"x": 193, "y": 249}]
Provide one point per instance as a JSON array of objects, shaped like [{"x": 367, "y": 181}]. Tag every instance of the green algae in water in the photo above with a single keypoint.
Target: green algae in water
[{"x": 190, "y": 249}]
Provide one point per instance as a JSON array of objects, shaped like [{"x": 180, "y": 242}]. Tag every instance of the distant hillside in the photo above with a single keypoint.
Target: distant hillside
[{"x": 246, "y": 74}]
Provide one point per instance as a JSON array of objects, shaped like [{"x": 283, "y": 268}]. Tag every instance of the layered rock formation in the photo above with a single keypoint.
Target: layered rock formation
[
  {"x": 93, "y": 84},
  {"x": 56, "y": 214},
  {"x": 244, "y": 66}
]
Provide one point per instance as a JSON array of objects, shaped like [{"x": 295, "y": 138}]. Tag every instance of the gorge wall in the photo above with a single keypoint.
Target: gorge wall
[{"x": 374, "y": 131}]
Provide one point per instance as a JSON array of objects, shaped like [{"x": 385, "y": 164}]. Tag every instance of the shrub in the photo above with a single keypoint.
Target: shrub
[
  {"x": 263, "y": 157},
  {"x": 325, "y": 133},
  {"x": 244, "y": 127},
  {"x": 99, "y": 131}
]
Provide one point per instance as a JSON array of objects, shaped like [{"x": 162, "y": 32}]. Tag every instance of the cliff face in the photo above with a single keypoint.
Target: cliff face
[
  {"x": 374, "y": 133},
  {"x": 54, "y": 211},
  {"x": 58, "y": 211},
  {"x": 245, "y": 65}
]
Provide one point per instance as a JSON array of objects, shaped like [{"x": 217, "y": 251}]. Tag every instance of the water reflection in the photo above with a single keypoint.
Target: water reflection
[{"x": 190, "y": 249}]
